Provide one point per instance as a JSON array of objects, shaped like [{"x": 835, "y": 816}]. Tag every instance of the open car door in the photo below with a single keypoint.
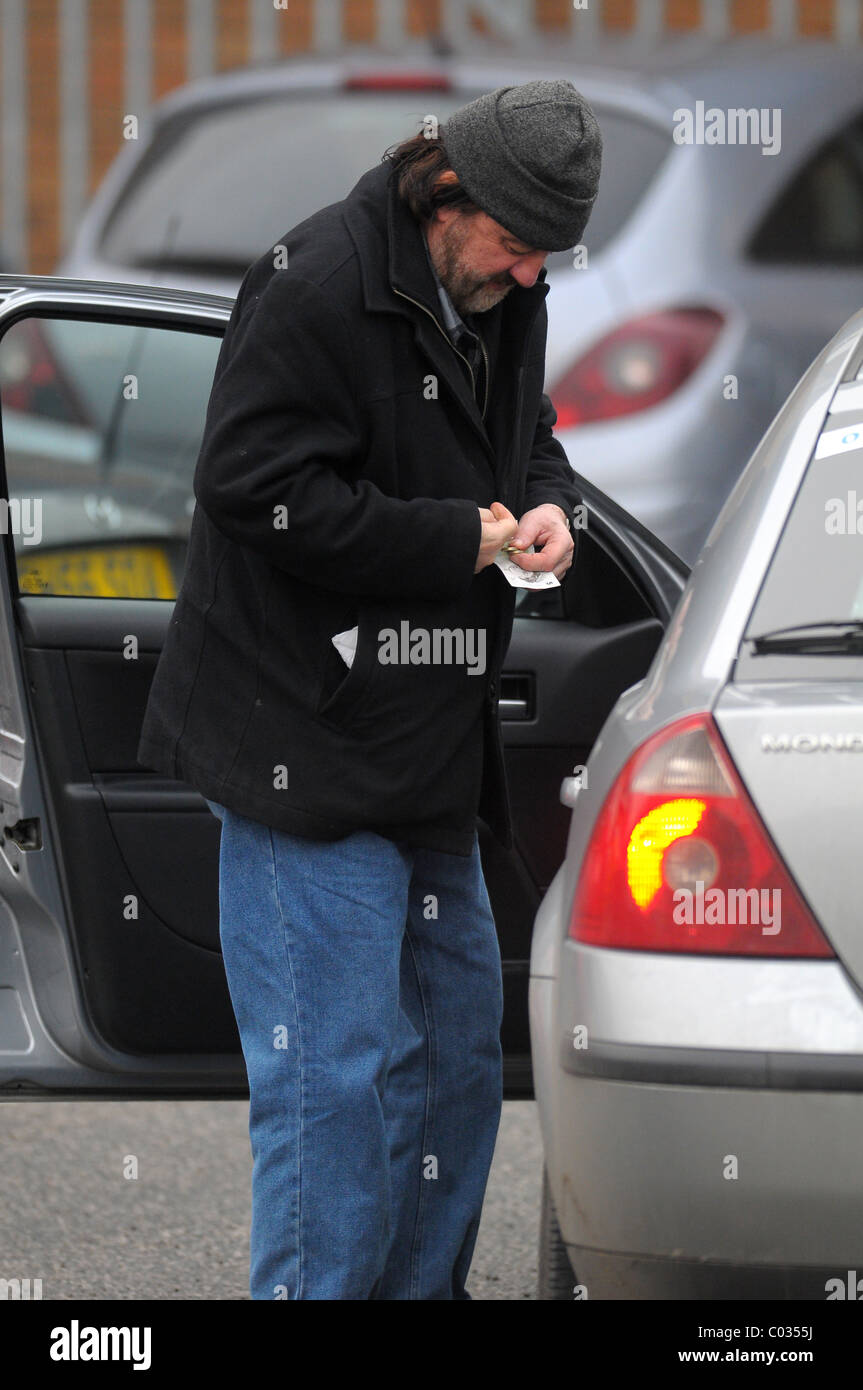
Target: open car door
[{"x": 111, "y": 980}]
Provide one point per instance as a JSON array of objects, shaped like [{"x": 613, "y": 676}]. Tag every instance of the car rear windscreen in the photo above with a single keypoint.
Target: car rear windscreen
[
  {"x": 218, "y": 184},
  {"x": 816, "y": 575}
]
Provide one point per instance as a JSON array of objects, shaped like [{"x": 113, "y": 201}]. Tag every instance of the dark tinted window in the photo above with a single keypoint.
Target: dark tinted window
[
  {"x": 215, "y": 188},
  {"x": 819, "y": 217}
]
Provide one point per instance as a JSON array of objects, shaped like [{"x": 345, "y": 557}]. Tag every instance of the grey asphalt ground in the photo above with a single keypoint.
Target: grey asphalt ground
[{"x": 69, "y": 1217}]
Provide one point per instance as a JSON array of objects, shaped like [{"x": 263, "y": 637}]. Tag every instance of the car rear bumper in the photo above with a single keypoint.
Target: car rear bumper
[{"x": 691, "y": 1187}]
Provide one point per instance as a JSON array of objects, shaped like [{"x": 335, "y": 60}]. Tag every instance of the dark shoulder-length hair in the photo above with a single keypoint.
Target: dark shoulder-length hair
[{"x": 417, "y": 163}]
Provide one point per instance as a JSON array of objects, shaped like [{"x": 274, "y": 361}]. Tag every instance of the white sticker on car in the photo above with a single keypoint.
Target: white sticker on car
[{"x": 839, "y": 441}]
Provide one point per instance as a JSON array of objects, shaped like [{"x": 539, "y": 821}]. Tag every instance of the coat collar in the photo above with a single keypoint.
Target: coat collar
[{"x": 393, "y": 260}]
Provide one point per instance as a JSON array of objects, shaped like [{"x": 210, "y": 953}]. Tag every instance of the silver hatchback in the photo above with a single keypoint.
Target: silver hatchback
[{"x": 696, "y": 993}]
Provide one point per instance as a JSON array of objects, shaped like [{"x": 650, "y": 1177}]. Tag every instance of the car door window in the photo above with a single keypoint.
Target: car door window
[{"x": 101, "y": 427}]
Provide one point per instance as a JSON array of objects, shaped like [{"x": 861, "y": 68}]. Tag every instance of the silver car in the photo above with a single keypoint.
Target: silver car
[
  {"x": 696, "y": 991},
  {"x": 714, "y": 273}
]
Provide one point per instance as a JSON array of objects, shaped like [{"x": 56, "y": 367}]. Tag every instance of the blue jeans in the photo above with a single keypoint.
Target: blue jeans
[{"x": 365, "y": 978}]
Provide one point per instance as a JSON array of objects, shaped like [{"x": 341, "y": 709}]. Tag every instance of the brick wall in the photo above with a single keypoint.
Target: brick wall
[{"x": 106, "y": 86}]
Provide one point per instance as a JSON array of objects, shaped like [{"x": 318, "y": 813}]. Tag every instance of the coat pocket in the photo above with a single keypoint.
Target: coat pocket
[{"x": 344, "y": 687}]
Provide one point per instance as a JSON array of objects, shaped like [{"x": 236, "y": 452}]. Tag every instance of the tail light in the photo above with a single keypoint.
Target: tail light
[
  {"x": 33, "y": 381},
  {"x": 679, "y": 859},
  {"x": 637, "y": 366}
]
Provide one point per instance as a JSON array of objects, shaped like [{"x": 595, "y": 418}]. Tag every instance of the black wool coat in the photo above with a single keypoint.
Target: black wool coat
[{"x": 341, "y": 467}]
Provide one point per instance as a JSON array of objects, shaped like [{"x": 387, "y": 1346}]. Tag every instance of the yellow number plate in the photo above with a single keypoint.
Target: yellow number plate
[{"x": 118, "y": 571}]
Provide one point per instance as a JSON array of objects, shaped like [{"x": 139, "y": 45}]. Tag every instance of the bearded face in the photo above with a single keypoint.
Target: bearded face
[{"x": 457, "y": 256}]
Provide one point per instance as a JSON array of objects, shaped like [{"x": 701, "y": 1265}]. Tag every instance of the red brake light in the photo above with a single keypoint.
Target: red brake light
[
  {"x": 636, "y": 366},
  {"x": 679, "y": 859},
  {"x": 397, "y": 82},
  {"x": 32, "y": 379}
]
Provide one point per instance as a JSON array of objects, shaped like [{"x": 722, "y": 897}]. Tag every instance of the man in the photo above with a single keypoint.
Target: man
[{"x": 376, "y": 434}]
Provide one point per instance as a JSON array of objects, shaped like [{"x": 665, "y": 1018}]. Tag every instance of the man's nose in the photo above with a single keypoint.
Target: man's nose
[{"x": 527, "y": 268}]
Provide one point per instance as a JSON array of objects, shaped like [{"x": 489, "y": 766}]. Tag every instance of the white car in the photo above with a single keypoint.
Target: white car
[{"x": 714, "y": 273}]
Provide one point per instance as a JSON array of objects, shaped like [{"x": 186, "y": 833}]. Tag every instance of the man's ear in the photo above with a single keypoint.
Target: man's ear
[{"x": 448, "y": 176}]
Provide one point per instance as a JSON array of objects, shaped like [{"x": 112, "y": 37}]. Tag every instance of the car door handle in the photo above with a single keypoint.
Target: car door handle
[
  {"x": 512, "y": 709},
  {"x": 516, "y": 699}
]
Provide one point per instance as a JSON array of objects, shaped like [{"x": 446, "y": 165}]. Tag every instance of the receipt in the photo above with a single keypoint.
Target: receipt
[{"x": 525, "y": 579}]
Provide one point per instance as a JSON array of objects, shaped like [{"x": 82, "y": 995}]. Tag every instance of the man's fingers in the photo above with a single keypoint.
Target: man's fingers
[
  {"x": 504, "y": 524},
  {"x": 498, "y": 527},
  {"x": 498, "y": 514},
  {"x": 551, "y": 555},
  {"x": 502, "y": 531}
]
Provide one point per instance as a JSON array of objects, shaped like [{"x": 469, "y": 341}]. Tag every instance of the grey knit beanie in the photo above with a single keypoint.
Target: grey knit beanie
[{"x": 529, "y": 156}]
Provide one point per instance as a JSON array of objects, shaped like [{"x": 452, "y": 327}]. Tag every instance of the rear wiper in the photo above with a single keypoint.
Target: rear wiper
[
  {"x": 834, "y": 637},
  {"x": 226, "y": 266}
]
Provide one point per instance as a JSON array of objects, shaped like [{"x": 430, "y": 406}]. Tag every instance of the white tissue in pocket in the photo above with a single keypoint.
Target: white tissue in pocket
[{"x": 345, "y": 644}]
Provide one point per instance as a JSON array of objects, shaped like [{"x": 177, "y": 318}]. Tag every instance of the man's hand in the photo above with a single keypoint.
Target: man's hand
[
  {"x": 544, "y": 526},
  {"x": 498, "y": 526}
]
